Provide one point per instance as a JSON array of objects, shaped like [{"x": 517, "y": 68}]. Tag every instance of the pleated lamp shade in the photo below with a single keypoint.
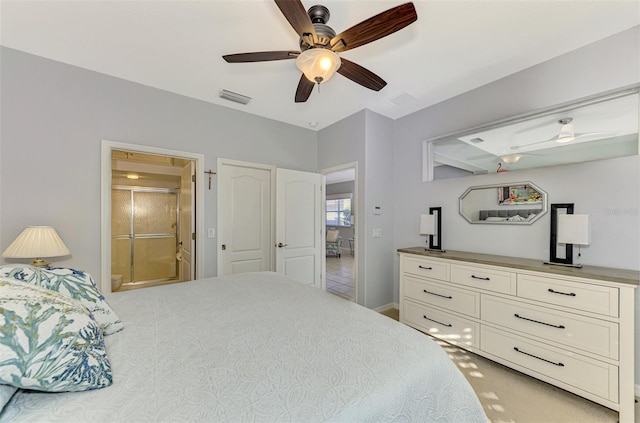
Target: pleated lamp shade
[{"x": 37, "y": 242}]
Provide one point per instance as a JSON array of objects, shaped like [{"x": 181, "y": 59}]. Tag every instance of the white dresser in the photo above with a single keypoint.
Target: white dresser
[{"x": 573, "y": 328}]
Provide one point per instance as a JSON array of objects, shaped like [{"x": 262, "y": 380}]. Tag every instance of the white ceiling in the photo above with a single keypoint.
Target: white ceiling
[{"x": 453, "y": 47}]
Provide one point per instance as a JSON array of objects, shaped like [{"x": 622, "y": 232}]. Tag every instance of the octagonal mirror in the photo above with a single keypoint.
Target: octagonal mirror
[{"x": 517, "y": 203}]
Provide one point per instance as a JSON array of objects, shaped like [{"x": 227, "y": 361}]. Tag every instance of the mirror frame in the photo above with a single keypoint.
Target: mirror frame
[{"x": 543, "y": 211}]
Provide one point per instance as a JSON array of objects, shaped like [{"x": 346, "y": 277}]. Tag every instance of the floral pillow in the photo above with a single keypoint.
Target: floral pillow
[
  {"x": 72, "y": 283},
  {"x": 48, "y": 341}
]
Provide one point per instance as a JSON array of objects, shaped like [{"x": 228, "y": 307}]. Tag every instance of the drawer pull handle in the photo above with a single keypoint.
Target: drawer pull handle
[
  {"x": 570, "y": 294},
  {"x": 425, "y": 267},
  {"x": 537, "y": 321},
  {"x": 440, "y": 323},
  {"x": 438, "y": 295},
  {"x": 478, "y": 277},
  {"x": 539, "y": 358}
]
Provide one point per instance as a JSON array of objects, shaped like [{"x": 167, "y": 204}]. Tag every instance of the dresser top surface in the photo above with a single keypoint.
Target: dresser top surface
[{"x": 625, "y": 276}]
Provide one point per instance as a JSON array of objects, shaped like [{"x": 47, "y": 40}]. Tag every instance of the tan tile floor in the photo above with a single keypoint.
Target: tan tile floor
[{"x": 340, "y": 276}]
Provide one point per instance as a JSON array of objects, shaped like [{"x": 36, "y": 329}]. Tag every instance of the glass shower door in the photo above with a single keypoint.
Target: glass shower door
[
  {"x": 154, "y": 236},
  {"x": 143, "y": 245}
]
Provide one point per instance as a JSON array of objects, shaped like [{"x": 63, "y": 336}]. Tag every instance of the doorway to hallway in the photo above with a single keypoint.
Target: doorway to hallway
[{"x": 341, "y": 220}]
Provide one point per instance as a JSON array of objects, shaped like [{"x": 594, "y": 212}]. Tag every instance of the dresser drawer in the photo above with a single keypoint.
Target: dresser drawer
[
  {"x": 448, "y": 327},
  {"x": 484, "y": 278},
  {"x": 584, "y": 373},
  {"x": 443, "y": 296},
  {"x": 579, "y": 296},
  {"x": 585, "y": 333},
  {"x": 427, "y": 268}
]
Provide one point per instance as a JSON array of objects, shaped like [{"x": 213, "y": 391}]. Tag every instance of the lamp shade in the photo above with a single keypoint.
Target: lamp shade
[
  {"x": 37, "y": 242},
  {"x": 427, "y": 224},
  {"x": 573, "y": 229},
  {"x": 318, "y": 64}
]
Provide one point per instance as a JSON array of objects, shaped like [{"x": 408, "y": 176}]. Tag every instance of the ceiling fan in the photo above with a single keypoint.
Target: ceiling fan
[
  {"x": 319, "y": 45},
  {"x": 567, "y": 134}
]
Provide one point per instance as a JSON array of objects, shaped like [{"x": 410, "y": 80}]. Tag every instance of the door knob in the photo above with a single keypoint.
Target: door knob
[{"x": 281, "y": 245}]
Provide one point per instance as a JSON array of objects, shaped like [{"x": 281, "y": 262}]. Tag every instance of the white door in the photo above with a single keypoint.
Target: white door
[
  {"x": 244, "y": 225},
  {"x": 186, "y": 242},
  {"x": 299, "y": 229}
]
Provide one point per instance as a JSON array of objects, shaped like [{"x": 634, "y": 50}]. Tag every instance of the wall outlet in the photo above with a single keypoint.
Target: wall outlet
[
  {"x": 377, "y": 233},
  {"x": 211, "y": 232}
]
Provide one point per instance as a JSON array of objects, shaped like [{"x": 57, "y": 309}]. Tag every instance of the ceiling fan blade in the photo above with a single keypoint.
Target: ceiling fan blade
[
  {"x": 304, "y": 89},
  {"x": 360, "y": 75},
  {"x": 376, "y": 27},
  {"x": 260, "y": 56},
  {"x": 297, "y": 16}
]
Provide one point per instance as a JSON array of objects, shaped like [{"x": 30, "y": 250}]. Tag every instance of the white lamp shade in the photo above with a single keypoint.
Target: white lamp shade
[
  {"x": 318, "y": 64},
  {"x": 573, "y": 229},
  {"x": 427, "y": 224},
  {"x": 37, "y": 241}
]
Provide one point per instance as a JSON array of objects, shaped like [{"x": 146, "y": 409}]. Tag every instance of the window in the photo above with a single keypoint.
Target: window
[{"x": 338, "y": 209}]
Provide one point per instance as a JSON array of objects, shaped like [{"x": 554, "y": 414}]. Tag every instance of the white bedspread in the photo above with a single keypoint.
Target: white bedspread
[{"x": 259, "y": 347}]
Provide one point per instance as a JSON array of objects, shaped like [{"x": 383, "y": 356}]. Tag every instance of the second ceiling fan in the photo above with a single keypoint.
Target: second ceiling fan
[{"x": 319, "y": 45}]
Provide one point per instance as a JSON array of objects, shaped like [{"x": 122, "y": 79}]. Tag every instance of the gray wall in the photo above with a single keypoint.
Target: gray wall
[
  {"x": 348, "y": 138},
  {"x": 607, "y": 190},
  {"x": 379, "y": 188},
  {"x": 54, "y": 117}
]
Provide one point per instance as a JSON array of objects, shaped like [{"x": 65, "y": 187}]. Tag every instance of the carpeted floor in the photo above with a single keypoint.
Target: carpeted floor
[{"x": 509, "y": 396}]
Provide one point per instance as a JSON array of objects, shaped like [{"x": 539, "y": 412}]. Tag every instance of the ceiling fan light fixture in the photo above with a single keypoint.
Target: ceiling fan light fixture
[
  {"x": 511, "y": 158},
  {"x": 567, "y": 133},
  {"x": 318, "y": 64}
]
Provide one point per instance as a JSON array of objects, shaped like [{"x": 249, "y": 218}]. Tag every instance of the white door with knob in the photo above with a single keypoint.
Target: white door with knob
[
  {"x": 299, "y": 226},
  {"x": 244, "y": 217},
  {"x": 270, "y": 226}
]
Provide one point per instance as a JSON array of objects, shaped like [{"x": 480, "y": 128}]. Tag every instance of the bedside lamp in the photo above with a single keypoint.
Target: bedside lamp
[
  {"x": 37, "y": 242},
  {"x": 573, "y": 229},
  {"x": 427, "y": 226},
  {"x": 431, "y": 225}
]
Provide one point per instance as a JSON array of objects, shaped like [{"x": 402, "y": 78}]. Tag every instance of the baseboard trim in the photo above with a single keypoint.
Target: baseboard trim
[{"x": 390, "y": 306}]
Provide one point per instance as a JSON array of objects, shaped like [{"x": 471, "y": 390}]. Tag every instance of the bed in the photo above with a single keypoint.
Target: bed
[
  {"x": 508, "y": 215},
  {"x": 258, "y": 347}
]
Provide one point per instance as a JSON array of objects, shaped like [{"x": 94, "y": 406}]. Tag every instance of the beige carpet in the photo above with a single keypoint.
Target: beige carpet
[{"x": 509, "y": 396}]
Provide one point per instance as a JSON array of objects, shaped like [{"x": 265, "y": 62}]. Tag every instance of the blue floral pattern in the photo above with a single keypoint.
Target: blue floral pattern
[
  {"x": 73, "y": 283},
  {"x": 48, "y": 341}
]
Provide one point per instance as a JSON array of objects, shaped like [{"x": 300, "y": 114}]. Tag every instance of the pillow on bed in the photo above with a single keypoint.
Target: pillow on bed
[
  {"x": 72, "y": 283},
  {"x": 495, "y": 219},
  {"x": 48, "y": 341}
]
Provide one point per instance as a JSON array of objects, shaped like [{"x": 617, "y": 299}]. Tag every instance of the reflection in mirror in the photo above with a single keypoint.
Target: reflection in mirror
[
  {"x": 518, "y": 203},
  {"x": 598, "y": 128}
]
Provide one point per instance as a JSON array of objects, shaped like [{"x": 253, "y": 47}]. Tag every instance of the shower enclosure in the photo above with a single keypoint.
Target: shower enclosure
[{"x": 143, "y": 234}]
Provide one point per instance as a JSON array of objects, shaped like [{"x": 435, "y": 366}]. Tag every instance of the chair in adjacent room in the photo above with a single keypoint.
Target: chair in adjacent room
[{"x": 334, "y": 242}]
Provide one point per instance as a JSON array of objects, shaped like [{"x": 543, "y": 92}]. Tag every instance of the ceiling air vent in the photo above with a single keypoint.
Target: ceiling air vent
[{"x": 238, "y": 98}]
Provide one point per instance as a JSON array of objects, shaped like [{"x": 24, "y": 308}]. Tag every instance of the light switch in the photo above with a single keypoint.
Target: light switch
[
  {"x": 377, "y": 233},
  {"x": 211, "y": 232}
]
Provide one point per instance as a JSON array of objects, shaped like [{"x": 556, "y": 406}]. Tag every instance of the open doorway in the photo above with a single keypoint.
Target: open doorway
[
  {"x": 150, "y": 207},
  {"x": 341, "y": 235},
  {"x": 150, "y": 220}
]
